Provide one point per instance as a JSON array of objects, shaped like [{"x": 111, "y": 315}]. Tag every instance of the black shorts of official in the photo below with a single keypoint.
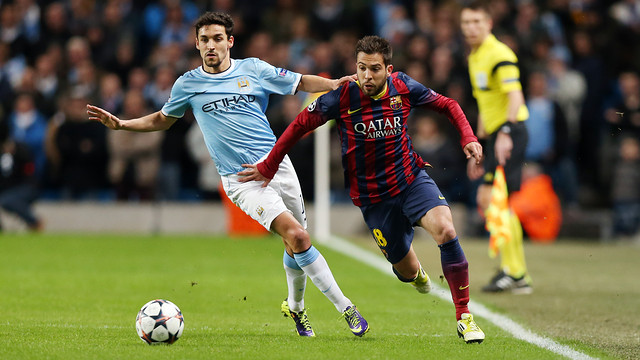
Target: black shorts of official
[
  {"x": 513, "y": 167},
  {"x": 391, "y": 221}
]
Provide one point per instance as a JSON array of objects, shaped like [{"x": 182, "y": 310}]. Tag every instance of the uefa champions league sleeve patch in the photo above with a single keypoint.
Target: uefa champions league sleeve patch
[{"x": 312, "y": 106}]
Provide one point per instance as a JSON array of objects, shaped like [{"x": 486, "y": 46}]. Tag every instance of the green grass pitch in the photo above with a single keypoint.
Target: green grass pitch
[{"x": 76, "y": 297}]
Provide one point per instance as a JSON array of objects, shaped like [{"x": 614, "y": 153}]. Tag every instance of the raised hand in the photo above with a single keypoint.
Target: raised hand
[{"x": 103, "y": 116}]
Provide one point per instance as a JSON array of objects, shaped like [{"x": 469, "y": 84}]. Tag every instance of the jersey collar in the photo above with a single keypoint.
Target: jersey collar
[
  {"x": 228, "y": 70},
  {"x": 381, "y": 93},
  {"x": 490, "y": 39}
]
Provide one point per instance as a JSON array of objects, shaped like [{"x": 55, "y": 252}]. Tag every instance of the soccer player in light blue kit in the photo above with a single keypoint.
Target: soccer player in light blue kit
[{"x": 228, "y": 98}]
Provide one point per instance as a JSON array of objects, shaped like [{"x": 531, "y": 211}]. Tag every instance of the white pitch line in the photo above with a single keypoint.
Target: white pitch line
[{"x": 516, "y": 330}]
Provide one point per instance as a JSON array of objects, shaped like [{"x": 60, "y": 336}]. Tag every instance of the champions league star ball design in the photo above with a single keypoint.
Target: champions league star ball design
[{"x": 159, "y": 322}]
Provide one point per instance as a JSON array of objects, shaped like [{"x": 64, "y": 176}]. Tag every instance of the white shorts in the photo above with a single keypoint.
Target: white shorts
[{"x": 265, "y": 203}]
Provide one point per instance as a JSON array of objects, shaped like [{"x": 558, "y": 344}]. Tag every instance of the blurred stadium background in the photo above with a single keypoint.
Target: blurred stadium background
[{"x": 582, "y": 57}]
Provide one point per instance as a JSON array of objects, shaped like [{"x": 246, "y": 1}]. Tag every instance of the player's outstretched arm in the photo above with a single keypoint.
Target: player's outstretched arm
[
  {"x": 314, "y": 83},
  {"x": 266, "y": 170},
  {"x": 152, "y": 122}
]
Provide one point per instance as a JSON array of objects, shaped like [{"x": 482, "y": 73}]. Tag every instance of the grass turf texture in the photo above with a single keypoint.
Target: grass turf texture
[{"x": 76, "y": 297}]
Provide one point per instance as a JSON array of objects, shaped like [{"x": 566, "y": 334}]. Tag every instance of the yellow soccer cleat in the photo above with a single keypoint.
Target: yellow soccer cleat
[
  {"x": 469, "y": 330},
  {"x": 422, "y": 283}
]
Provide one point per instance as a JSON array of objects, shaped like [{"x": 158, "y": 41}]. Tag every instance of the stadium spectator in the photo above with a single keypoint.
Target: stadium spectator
[
  {"x": 174, "y": 157},
  {"x": 208, "y": 178},
  {"x": 29, "y": 126},
  {"x": 29, "y": 14},
  {"x": 81, "y": 147},
  {"x": 398, "y": 28},
  {"x": 18, "y": 184},
  {"x": 384, "y": 174},
  {"x": 55, "y": 27},
  {"x": 134, "y": 157},
  {"x": 11, "y": 31},
  {"x": 623, "y": 120},
  {"x": 548, "y": 131},
  {"x": 280, "y": 19},
  {"x": 111, "y": 95},
  {"x": 327, "y": 16},
  {"x": 175, "y": 29},
  {"x": 83, "y": 14},
  {"x": 28, "y": 85},
  {"x": 446, "y": 158},
  {"x": 590, "y": 64},
  {"x": 48, "y": 82},
  {"x": 11, "y": 65},
  {"x": 624, "y": 116},
  {"x": 300, "y": 42},
  {"x": 139, "y": 79},
  {"x": 568, "y": 88},
  {"x": 625, "y": 191},
  {"x": 443, "y": 68},
  {"x": 228, "y": 98},
  {"x": 495, "y": 78},
  {"x": 423, "y": 17}
]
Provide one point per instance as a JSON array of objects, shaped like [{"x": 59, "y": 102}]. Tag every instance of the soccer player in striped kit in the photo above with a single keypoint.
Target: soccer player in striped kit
[
  {"x": 228, "y": 98},
  {"x": 385, "y": 176}
]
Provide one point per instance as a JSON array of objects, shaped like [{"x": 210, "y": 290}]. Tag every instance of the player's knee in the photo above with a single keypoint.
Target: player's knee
[
  {"x": 447, "y": 232},
  {"x": 298, "y": 239}
]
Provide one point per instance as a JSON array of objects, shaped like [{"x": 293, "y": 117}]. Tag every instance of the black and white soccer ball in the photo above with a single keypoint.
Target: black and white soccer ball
[{"x": 159, "y": 322}]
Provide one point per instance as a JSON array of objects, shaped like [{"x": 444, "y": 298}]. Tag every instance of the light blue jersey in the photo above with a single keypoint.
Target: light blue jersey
[{"x": 229, "y": 107}]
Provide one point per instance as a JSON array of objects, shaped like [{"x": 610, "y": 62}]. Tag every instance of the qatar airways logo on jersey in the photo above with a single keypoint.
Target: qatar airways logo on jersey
[
  {"x": 379, "y": 128},
  {"x": 229, "y": 103}
]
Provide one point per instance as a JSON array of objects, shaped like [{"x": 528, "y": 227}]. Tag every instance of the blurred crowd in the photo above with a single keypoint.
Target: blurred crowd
[{"x": 579, "y": 61}]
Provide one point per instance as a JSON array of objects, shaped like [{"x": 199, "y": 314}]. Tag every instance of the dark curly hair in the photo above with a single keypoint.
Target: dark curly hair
[
  {"x": 215, "y": 18},
  {"x": 375, "y": 45}
]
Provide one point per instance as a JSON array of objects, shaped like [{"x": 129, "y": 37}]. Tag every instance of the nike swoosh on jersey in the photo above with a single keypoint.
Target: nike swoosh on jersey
[
  {"x": 440, "y": 197},
  {"x": 353, "y": 111},
  {"x": 463, "y": 287}
]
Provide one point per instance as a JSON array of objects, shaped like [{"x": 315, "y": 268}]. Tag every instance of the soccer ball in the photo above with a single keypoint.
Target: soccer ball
[{"x": 159, "y": 321}]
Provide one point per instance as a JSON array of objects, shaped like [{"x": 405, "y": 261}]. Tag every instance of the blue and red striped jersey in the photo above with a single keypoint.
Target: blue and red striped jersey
[{"x": 377, "y": 154}]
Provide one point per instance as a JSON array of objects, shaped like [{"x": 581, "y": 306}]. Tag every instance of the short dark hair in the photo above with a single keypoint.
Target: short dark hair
[
  {"x": 375, "y": 45},
  {"x": 478, "y": 5},
  {"x": 215, "y": 18}
]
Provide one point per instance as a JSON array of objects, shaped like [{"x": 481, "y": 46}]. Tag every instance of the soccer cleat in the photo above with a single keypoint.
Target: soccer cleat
[
  {"x": 422, "y": 283},
  {"x": 469, "y": 330},
  {"x": 303, "y": 326},
  {"x": 503, "y": 282},
  {"x": 357, "y": 323}
]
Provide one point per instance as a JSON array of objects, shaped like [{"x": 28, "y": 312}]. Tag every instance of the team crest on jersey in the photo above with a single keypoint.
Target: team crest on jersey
[
  {"x": 243, "y": 84},
  {"x": 260, "y": 210},
  {"x": 312, "y": 106},
  {"x": 395, "y": 102},
  {"x": 281, "y": 71}
]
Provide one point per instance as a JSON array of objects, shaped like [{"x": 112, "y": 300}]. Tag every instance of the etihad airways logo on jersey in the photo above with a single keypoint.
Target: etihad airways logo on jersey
[
  {"x": 379, "y": 128},
  {"x": 229, "y": 103}
]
